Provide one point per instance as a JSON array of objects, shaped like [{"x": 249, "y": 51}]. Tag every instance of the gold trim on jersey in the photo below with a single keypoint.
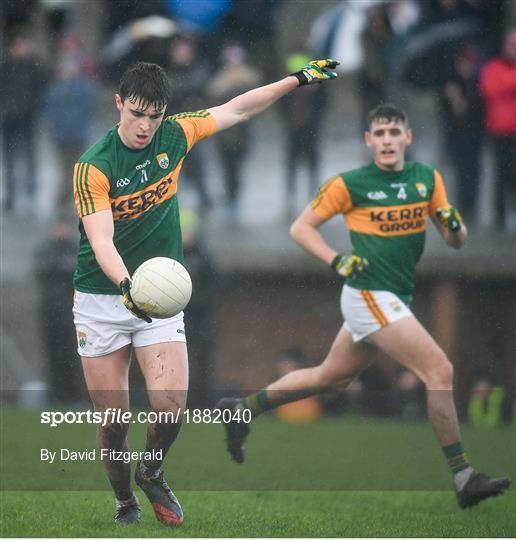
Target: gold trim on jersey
[
  {"x": 333, "y": 197},
  {"x": 388, "y": 220},
  {"x": 196, "y": 126},
  {"x": 91, "y": 188}
]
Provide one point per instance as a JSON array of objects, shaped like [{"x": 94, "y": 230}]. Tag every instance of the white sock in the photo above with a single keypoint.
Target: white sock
[
  {"x": 460, "y": 479},
  {"x": 125, "y": 502}
]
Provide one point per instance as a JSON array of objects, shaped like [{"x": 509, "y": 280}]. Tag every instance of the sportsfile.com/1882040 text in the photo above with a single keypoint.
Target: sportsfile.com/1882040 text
[{"x": 119, "y": 416}]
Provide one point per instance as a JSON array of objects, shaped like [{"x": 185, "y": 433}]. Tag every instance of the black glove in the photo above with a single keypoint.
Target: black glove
[{"x": 125, "y": 289}]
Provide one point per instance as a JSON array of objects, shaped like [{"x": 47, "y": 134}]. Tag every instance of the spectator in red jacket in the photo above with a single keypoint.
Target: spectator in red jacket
[{"x": 498, "y": 86}]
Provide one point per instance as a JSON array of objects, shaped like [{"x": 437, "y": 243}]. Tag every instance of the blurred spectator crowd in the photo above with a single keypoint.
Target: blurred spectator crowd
[{"x": 463, "y": 52}]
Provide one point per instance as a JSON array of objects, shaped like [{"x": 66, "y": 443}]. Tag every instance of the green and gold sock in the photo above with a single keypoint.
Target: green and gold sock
[
  {"x": 258, "y": 403},
  {"x": 457, "y": 459}
]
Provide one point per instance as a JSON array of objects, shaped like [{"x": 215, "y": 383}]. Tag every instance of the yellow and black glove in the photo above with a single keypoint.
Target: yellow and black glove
[
  {"x": 450, "y": 218},
  {"x": 349, "y": 266},
  {"x": 125, "y": 290},
  {"x": 316, "y": 71}
]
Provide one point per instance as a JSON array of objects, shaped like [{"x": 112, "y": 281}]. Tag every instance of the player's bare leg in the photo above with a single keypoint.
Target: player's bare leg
[
  {"x": 165, "y": 368},
  {"x": 407, "y": 341},
  {"x": 107, "y": 379},
  {"x": 343, "y": 363}
]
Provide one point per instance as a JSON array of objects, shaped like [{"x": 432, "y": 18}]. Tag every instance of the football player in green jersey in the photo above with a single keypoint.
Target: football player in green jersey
[
  {"x": 386, "y": 205},
  {"x": 125, "y": 189}
]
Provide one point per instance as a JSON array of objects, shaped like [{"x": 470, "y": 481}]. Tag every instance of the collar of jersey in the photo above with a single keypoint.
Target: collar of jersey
[{"x": 406, "y": 167}]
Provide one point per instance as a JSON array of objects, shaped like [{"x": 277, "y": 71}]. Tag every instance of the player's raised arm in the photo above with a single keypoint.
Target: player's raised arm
[{"x": 249, "y": 104}]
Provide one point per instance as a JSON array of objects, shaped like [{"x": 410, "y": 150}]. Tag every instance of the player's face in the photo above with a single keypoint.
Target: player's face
[
  {"x": 137, "y": 123},
  {"x": 387, "y": 142}
]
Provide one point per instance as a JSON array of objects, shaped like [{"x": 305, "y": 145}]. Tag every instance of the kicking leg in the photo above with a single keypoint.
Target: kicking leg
[
  {"x": 407, "y": 341},
  {"x": 165, "y": 368},
  {"x": 108, "y": 382},
  {"x": 343, "y": 363}
]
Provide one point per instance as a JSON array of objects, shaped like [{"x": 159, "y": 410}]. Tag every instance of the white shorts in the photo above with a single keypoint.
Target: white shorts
[
  {"x": 366, "y": 311},
  {"x": 103, "y": 325}
]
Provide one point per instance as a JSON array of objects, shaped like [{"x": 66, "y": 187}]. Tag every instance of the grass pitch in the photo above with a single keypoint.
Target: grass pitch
[
  {"x": 264, "y": 514},
  {"x": 343, "y": 477}
]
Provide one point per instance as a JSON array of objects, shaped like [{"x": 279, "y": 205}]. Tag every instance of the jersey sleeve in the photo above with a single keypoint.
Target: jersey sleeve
[
  {"x": 439, "y": 198},
  {"x": 197, "y": 126},
  {"x": 333, "y": 198},
  {"x": 90, "y": 188}
]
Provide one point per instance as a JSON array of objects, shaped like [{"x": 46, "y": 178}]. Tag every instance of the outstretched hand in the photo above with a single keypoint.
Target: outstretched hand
[{"x": 316, "y": 71}]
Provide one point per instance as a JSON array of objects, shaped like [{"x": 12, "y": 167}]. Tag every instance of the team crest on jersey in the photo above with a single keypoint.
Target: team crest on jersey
[
  {"x": 163, "y": 160},
  {"x": 81, "y": 337},
  {"x": 421, "y": 189}
]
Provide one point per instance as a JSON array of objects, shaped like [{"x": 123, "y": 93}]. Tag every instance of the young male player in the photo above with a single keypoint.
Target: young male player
[
  {"x": 125, "y": 189},
  {"x": 386, "y": 205}
]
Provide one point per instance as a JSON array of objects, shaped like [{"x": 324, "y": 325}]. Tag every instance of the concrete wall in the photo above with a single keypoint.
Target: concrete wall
[{"x": 257, "y": 317}]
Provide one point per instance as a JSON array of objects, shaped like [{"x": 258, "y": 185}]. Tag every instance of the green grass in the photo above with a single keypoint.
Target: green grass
[
  {"x": 264, "y": 514},
  {"x": 338, "y": 477}
]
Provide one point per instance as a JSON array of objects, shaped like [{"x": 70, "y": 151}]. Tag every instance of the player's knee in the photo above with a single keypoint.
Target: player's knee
[
  {"x": 319, "y": 378},
  {"x": 326, "y": 379},
  {"x": 167, "y": 404},
  {"x": 166, "y": 414},
  {"x": 342, "y": 383},
  {"x": 440, "y": 376}
]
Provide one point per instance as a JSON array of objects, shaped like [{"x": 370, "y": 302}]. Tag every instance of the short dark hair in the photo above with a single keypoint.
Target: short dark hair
[
  {"x": 387, "y": 112},
  {"x": 146, "y": 83}
]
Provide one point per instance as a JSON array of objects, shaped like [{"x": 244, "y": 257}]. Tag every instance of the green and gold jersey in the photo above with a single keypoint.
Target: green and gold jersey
[
  {"x": 386, "y": 214},
  {"x": 140, "y": 189}
]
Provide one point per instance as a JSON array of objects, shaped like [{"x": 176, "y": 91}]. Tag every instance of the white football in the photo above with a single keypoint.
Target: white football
[{"x": 161, "y": 287}]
